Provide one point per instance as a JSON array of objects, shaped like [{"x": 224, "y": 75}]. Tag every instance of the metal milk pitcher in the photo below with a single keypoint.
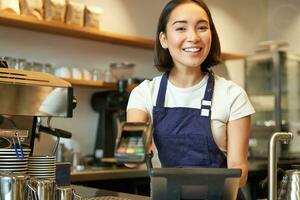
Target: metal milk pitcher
[
  {"x": 12, "y": 186},
  {"x": 44, "y": 188},
  {"x": 290, "y": 186},
  {"x": 64, "y": 193}
]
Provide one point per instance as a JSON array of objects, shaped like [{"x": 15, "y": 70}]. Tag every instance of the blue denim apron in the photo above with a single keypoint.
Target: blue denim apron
[{"x": 183, "y": 136}]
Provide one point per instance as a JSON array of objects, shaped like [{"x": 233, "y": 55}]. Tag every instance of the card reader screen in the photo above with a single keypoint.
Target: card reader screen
[{"x": 137, "y": 134}]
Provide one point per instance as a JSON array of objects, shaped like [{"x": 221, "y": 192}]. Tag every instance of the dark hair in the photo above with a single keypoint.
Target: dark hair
[{"x": 162, "y": 58}]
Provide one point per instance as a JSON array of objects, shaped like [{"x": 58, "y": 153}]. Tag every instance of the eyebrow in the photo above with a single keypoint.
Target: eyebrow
[{"x": 185, "y": 21}]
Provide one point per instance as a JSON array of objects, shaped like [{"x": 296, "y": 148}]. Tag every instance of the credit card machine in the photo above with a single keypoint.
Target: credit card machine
[{"x": 133, "y": 142}]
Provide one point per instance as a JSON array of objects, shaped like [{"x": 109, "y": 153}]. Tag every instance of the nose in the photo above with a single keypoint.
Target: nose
[{"x": 193, "y": 36}]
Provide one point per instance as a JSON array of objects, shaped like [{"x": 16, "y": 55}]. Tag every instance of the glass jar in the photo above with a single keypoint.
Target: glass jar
[
  {"x": 21, "y": 64},
  {"x": 97, "y": 74},
  {"x": 122, "y": 71},
  {"x": 11, "y": 62},
  {"x": 37, "y": 67},
  {"x": 48, "y": 68}
]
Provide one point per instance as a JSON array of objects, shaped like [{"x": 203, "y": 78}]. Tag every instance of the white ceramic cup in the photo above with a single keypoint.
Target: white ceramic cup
[
  {"x": 77, "y": 73},
  {"x": 63, "y": 72},
  {"x": 87, "y": 74}
]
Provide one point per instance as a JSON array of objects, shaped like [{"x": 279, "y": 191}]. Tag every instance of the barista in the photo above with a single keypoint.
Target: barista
[{"x": 199, "y": 119}]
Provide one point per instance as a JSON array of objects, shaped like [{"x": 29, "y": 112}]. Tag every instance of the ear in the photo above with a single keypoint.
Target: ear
[{"x": 163, "y": 40}]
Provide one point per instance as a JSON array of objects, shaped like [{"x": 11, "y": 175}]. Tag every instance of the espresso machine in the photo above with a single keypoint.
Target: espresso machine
[
  {"x": 25, "y": 97},
  {"x": 33, "y": 95}
]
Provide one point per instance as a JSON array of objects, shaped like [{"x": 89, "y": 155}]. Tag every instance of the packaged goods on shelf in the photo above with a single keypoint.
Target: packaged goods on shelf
[
  {"x": 75, "y": 13},
  {"x": 32, "y": 8},
  {"x": 92, "y": 17},
  {"x": 10, "y": 5},
  {"x": 55, "y": 10}
]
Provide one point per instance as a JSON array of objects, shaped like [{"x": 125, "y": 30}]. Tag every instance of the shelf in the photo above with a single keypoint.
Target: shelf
[
  {"x": 100, "y": 84},
  {"x": 90, "y": 83},
  {"x": 31, "y": 23}
]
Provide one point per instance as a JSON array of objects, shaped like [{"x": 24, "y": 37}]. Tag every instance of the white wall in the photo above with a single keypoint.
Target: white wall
[
  {"x": 284, "y": 22},
  {"x": 240, "y": 23}
]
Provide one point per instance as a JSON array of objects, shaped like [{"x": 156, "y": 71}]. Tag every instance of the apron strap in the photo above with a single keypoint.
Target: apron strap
[
  {"x": 162, "y": 90},
  {"x": 207, "y": 100}
]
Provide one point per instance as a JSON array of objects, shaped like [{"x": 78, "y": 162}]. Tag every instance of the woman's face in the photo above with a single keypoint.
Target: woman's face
[{"x": 188, "y": 35}]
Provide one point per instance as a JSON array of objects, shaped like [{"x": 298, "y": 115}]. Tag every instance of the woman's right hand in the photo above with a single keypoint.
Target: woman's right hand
[{"x": 136, "y": 115}]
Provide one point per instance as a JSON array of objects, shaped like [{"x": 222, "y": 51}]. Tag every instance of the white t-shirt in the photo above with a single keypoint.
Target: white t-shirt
[{"x": 230, "y": 102}]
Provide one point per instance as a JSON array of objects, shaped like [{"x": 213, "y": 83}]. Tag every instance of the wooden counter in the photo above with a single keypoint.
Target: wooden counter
[{"x": 107, "y": 173}]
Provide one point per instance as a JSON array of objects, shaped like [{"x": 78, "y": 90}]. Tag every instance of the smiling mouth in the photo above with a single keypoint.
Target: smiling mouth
[{"x": 192, "y": 49}]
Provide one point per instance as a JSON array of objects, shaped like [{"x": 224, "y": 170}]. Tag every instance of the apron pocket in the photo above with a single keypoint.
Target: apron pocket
[{"x": 186, "y": 150}]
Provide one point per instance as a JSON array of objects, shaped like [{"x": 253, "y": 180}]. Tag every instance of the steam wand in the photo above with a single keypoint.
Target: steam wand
[
  {"x": 57, "y": 136},
  {"x": 283, "y": 137}
]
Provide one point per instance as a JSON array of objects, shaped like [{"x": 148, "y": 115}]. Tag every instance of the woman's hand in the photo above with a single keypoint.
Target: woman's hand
[
  {"x": 135, "y": 115},
  {"x": 238, "y": 133}
]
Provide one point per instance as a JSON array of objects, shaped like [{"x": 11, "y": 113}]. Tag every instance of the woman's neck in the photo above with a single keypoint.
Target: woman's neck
[{"x": 185, "y": 78}]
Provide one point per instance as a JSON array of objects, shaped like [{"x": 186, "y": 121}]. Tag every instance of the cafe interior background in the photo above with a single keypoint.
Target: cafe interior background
[{"x": 241, "y": 26}]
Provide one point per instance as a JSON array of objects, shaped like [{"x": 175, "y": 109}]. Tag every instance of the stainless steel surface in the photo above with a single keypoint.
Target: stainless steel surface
[
  {"x": 44, "y": 188},
  {"x": 290, "y": 186},
  {"x": 33, "y": 192},
  {"x": 272, "y": 161},
  {"x": 64, "y": 193},
  {"x": 12, "y": 187},
  {"x": 93, "y": 193},
  {"x": 29, "y": 93}
]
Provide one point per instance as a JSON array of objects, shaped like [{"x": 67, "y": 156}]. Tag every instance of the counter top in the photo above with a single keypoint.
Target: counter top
[
  {"x": 88, "y": 192},
  {"x": 259, "y": 164},
  {"x": 110, "y": 173},
  {"x": 107, "y": 173}
]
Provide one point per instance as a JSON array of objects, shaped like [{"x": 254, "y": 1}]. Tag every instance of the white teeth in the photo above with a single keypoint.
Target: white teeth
[{"x": 192, "y": 49}]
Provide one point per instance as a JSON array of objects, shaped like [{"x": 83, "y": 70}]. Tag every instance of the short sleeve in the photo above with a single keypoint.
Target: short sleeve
[
  {"x": 138, "y": 98},
  {"x": 240, "y": 105}
]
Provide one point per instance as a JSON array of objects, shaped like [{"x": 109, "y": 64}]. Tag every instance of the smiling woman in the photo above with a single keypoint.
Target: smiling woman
[{"x": 199, "y": 119}]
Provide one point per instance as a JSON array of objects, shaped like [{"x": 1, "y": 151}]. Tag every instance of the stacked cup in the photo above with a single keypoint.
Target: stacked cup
[
  {"x": 42, "y": 171},
  {"x": 42, "y": 167},
  {"x": 14, "y": 162}
]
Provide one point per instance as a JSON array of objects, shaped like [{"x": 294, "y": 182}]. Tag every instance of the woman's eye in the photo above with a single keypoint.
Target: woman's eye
[
  {"x": 202, "y": 28},
  {"x": 180, "y": 29}
]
